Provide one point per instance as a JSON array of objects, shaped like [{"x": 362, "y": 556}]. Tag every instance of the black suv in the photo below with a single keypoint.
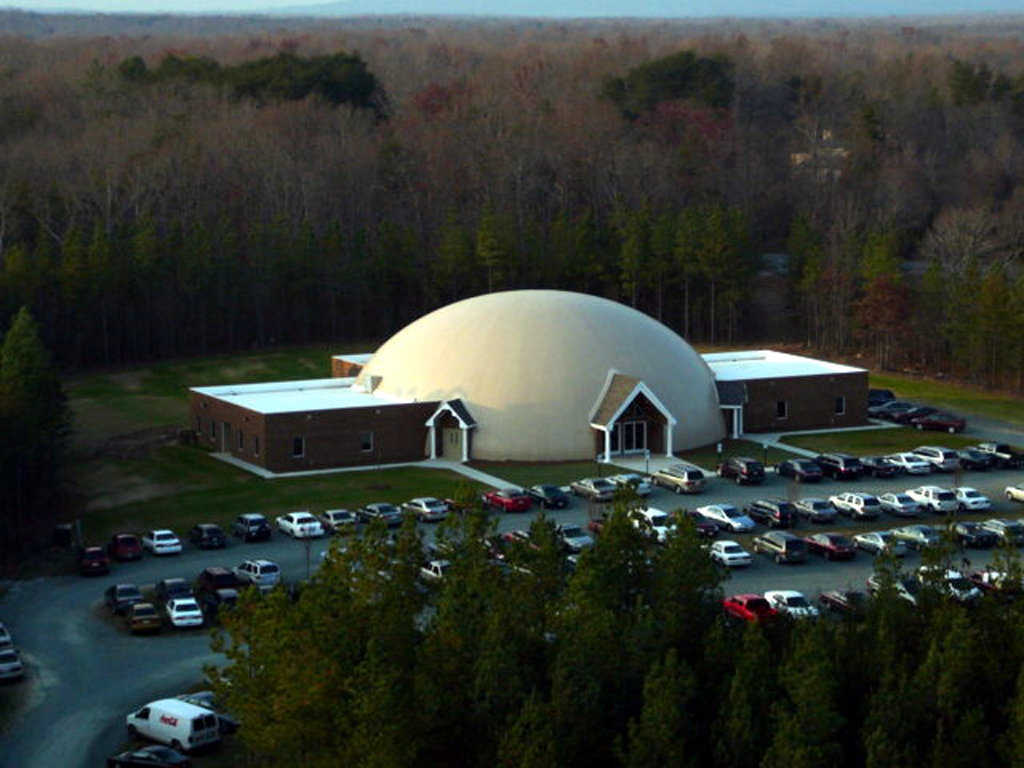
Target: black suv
[
  {"x": 549, "y": 496},
  {"x": 251, "y": 527},
  {"x": 783, "y": 546},
  {"x": 216, "y": 578},
  {"x": 879, "y": 466},
  {"x": 169, "y": 589},
  {"x": 775, "y": 513},
  {"x": 840, "y": 466},
  {"x": 742, "y": 469},
  {"x": 880, "y": 396},
  {"x": 208, "y": 536}
]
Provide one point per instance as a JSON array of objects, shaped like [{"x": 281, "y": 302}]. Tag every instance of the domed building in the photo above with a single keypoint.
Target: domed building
[
  {"x": 532, "y": 375},
  {"x": 551, "y": 375}
]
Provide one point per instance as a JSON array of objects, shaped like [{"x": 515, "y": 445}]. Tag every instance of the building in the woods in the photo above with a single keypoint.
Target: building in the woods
[{"x": 524, "y": 376}]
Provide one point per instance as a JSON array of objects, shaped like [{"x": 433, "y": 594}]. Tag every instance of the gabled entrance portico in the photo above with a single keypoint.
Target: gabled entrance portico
[
  {"x": 628, "y": 418},
  {"x": 449, "y": 431}
]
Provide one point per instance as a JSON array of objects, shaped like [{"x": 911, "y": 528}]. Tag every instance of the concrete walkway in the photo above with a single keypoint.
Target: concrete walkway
[
  {"x": 452, "y": 466},
  {"x": 777, "y": 439}
]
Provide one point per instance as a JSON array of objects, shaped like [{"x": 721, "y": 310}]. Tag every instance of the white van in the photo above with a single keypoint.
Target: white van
[{"x": 178, "y": 724}]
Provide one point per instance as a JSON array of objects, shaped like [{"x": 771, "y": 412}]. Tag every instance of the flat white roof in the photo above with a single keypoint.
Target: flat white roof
[
  {"x": 768, "y": 364},
  {"x": 295, "y": 396},
  {"x": 362, "y": 358}
]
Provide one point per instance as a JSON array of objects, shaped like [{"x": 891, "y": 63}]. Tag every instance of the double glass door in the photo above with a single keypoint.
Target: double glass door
[{"x": 629, "y": 437}]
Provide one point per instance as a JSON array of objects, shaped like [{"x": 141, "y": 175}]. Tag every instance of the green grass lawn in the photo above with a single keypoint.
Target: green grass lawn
[
  {"x": 563, "y": 473},
  {"x": 869, "y": 442},
  {"x": 180, "y": 486},
  {"x": 707, "y": 456},
  {"x": 957, "y": 398},
  {"x": 115, "y": 403}
]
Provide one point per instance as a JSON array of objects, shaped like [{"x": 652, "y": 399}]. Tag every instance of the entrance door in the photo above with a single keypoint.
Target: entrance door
[
  {"x": 225, "y": 436},
  {"x": 633, "y": 436},
  {"x": 451, "y": 443}
]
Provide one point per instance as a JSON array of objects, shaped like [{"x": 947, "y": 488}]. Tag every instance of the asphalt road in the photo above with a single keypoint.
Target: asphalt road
[{"x": 85, "y": 674}]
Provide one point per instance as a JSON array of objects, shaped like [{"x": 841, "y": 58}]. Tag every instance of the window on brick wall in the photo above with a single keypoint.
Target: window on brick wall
[
  {"x": 366, "y": 441},
  {"x": 840, "y": 406},
  {"x": 256, "y": 445},
  {"x": 299, "y": 447},
  {"x": 781, "y": 409},
  {"x": 213, "y": 429},
  {"x": 241, "y": 440}
]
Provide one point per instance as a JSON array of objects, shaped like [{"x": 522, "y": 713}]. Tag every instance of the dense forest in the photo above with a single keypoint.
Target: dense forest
[
  {"x": 627, "y": 661},
  {"x": 855, "y": 187}
]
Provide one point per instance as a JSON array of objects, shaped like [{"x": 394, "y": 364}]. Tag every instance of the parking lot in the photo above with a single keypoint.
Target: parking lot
[{"x": 85, "y": 673}]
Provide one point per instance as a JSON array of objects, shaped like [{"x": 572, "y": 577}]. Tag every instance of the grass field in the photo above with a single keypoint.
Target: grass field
[
  {"x": 115, "y": 403},
  {"x": 869, "y": 442},
  {"x": 563, "y": 473},
  {"x": 959, "y": 399},
  {"x": 180, "y": 486}
]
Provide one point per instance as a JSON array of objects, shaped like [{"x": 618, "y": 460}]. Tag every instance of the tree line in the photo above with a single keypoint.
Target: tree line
[
  {"x": 168, "y": 196},
  {"x": 627, "y": 660}
]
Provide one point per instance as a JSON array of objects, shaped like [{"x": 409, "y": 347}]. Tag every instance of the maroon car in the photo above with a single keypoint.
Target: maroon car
[
  {"x": 508, "y": 500},
  {"x": 831, "y": 546},
  {"x": 705, "y": 528},
  {"x": 125, "y": 546},
  {"x": 940, "y": 420},
  {"x": 748, "y": 607},
  {"x": 93, "y": 560}
]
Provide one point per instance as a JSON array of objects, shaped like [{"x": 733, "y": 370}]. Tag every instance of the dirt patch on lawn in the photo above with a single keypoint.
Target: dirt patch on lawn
[
  {"x": 130, "y": 381},
  {"x": 108, "y": 484},
  {"x": 239, "y": 372}
]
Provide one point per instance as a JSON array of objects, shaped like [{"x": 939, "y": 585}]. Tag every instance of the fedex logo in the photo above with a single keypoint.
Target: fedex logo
[{"x": 168, "y": 720}]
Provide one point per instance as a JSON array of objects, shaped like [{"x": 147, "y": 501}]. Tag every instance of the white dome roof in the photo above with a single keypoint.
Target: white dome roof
[{"x": 529, "y": 365}]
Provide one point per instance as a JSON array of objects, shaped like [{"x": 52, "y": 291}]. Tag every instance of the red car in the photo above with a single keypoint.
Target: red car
[
  {"x": 705, "y": 528},
  {"x": 748, "y": 607},
  {"x": 946, "y": 422},
  {"x": 508, "y": 500},
  {"x": 831, "y": 546},
  {"x": 93, "y": 560},
  {"x": 125, "y": 546}
]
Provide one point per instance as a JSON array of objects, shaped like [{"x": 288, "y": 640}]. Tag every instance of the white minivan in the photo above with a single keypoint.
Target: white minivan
[{"x": 178, "y": 724}]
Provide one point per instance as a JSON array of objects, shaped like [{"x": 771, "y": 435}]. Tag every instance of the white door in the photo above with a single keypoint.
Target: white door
[{"x": 451, "y": 443}]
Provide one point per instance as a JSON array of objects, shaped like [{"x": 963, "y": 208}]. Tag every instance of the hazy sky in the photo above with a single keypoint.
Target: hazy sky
[{"x": 657, "y": 8}]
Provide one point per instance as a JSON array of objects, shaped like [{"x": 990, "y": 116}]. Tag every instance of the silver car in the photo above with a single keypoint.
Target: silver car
[
  {"x": 816, "y": 510},
  {"x": 899, "y": 504},
  {"x": 878, "y": 542},
  {"x": 11, "y": 667}
]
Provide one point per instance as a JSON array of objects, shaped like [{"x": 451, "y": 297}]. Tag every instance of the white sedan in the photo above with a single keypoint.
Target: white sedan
[
  {"x": 435, "y": 570},
  {"x": 730, "y": 554},
  {"x": 910, "y": 463},
  {"x": 653, "y": 522},
  {"x": 727, "y": 516},
  {"x": 971, "y": 500},
  {"x": 11, "y": 667},
  {"x": 640, "y": 484},
  {"x": 1015, "y": 492},
  {"x": 162, "y": 542},
  {"x": 300, "y": 525},
  {"x": 184, "y": 612},
  {"x": 792, "y": 603},
  {"x": 859, "y": 505}
]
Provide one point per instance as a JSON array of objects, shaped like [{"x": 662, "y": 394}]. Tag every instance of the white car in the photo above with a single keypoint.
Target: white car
[
  {"x": 878, "y": 542},
  {"x": 300, "y": 525},
  {"x": 435, "y": 570},
  {"x": 162, "y": 542},
  {"x": 184, "y": 612},
  {"x": 6, "y": 641},
  {"x": 727, "y": 516},
  {"x": 261, "y": 573},
  {"x": 339, "y": 520},
  {"x": 939, "y": 500},
  {"x": 11, "y": 667},
  {"x": 899, "y": 504},
  {"x": 952, "y": 582},
  {"x": 652, "y": 521},
  {"x": 860, "y": 505},
  {"x": 971, "y": 500},
  {"x": 791, "y": 603},
  {"x": 1015, "y": 492},
  {"x": 641, "y": 485},
  {"x": 427, "y": 509},
  {"x": 910, "y": 463},
  {"x": 730, "y": 554},
  {"x": 574, "y": 539}
]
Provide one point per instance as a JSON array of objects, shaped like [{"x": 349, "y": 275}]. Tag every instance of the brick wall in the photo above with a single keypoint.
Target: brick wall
[
  {"x": 343, "y": 369},
  {"x": 208, "y": 417},
  {"x": 810, "y": 402}
]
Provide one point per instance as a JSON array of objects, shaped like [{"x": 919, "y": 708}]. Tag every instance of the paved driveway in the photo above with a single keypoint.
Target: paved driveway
[{"x": 85, "y": 675}]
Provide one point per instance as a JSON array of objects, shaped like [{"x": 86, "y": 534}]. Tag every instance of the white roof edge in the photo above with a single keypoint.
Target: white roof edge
[
  {"x": 744, "y": 365},
  {"x": 355, "y": 357}
]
